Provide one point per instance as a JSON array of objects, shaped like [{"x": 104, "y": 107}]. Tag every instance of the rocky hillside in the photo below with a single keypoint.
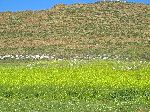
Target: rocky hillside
[{"x": 112, "y": 28}]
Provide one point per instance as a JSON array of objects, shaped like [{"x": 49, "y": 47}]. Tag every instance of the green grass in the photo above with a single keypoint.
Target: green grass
[{"x": 85, "y": 86}]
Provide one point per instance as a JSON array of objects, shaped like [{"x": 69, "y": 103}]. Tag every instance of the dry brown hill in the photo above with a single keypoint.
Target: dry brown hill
[{"x": 113, "y": 28}]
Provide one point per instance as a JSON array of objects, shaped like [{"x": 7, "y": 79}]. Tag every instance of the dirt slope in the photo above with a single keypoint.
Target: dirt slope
[{"x": 102, "y": 28}]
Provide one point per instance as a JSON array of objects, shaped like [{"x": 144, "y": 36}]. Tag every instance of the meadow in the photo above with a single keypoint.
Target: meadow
[{"x": 75, "y": 86}]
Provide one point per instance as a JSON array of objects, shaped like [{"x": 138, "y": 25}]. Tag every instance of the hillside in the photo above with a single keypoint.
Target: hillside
[{"x": 112, "y": 28}]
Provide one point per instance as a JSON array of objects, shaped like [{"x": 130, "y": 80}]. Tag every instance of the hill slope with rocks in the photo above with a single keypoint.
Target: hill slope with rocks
[{"x": 110, "y": 28}]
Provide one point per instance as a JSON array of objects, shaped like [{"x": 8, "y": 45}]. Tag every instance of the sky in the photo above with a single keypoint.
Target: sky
[{"x": 23, "y": 5}]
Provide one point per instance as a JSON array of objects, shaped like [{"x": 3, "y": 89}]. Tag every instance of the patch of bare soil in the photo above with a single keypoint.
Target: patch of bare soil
[{"x": 25, "y": 42}]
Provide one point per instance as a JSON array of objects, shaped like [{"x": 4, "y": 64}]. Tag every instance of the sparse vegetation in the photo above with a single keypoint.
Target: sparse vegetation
[{"x": 78, "y": 29}]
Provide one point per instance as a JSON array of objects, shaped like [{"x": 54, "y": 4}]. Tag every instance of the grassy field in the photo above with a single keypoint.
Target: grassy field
[{"x": 75, "y": 85}]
